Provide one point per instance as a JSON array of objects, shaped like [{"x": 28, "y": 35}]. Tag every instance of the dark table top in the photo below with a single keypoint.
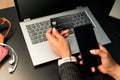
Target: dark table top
[{"x": 49, "y": 71}]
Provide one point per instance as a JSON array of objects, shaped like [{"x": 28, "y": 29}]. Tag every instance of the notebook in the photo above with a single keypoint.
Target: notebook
[{"x": 35, "y": 18}]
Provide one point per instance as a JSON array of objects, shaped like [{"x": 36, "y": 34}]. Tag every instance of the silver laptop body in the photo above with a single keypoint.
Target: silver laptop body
[{"x": 40, "y": 51}]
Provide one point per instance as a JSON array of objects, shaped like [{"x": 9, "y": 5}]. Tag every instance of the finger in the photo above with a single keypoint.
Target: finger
[
  {"x": 102, "y": 48},
  {"x": 49, "y": 31},
  {"x": 95, "y": 51},
  {"x": 66, "y": 35},
  {"x": 81, "y": 62},
  {"x": 98, "y": 52},
  {"x": 64, "y": 32},
  {"x": 93, "y": 69},
  {"x": 56, "y": 34},
  {"x": 49, "y": 35},
  {"x": 80, "y": 57}
]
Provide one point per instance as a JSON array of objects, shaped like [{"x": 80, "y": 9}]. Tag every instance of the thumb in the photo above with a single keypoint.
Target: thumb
[
  {"x": 97, "y": 52},
  {"x": 56, "y": 33}
]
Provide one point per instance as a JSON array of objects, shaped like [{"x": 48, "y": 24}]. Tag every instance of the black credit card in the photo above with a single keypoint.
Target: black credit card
[
  {"x": 86, "y": 40},
  {"x": 62, "y": 22}
]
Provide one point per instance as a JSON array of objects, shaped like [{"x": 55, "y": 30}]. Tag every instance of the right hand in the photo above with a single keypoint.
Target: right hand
[
  {"x": 108, "y": 64},
  {"x": 58, "y": 43}
]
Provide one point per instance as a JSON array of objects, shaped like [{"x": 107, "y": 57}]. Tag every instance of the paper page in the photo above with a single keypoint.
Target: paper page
[{"x": 115, "y": 11}]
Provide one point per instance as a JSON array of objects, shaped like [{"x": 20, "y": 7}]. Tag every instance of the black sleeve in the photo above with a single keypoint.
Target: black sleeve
[{"x": 69, "y": 71}]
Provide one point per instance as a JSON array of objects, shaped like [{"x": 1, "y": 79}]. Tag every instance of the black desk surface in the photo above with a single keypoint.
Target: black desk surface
[{"x": 48, "y": 71}]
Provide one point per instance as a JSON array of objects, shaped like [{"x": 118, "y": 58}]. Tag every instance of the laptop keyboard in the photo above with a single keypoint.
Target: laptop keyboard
[
  {"x": 80, "y": 18},
  {"x": 37, "y": 30}
]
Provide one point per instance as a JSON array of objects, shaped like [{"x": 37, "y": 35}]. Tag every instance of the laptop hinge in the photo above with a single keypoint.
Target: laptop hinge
[
  {"x": 79, "y": 7},
  {"x": 27, "y": 20}
]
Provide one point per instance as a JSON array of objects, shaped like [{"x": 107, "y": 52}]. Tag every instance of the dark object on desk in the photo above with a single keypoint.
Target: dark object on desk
[
  {"x": 62, "y": 23},
  {"x": 86, "y": 41}
]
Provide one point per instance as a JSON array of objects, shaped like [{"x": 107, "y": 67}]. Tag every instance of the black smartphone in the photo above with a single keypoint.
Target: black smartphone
[{"x": 86, "y": 40}]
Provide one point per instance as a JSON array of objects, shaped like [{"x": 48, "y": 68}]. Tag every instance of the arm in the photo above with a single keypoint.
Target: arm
[{"x": 68, "y": 69}]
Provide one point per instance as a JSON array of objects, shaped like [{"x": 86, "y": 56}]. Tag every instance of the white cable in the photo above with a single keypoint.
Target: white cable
[{"x": 14, "y": 55}]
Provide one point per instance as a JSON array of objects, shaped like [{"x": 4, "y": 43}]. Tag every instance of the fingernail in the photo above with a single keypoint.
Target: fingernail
[
  {"x": 80, "y": 56},
  {"x": 54, "y": 29},
  {"x": 91, "y": 51}
]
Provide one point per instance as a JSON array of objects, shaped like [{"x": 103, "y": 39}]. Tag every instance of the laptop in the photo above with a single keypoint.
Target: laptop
[{"x": 35, "y": 18}]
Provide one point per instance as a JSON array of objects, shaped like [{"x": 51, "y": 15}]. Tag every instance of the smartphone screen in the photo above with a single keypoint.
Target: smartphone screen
[{"x": 86, "y": 40}]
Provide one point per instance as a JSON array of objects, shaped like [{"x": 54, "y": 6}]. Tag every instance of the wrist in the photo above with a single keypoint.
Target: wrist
[
  {"x": 66, "y": 54},
  {"x": 115, "y": 72},
  {"x": 67, "y": 59}
]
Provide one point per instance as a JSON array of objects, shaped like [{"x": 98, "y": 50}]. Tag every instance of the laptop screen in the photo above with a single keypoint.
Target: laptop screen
[{"x": 38, "y": 8}]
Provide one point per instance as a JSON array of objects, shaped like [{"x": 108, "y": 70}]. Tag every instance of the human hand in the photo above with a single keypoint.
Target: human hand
[
  {"x": 106, "y": 59},
  {"x": 108, "y": 65},
  {"x": 65, "y": 33},
  {"x": 58, "y": 43}
]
